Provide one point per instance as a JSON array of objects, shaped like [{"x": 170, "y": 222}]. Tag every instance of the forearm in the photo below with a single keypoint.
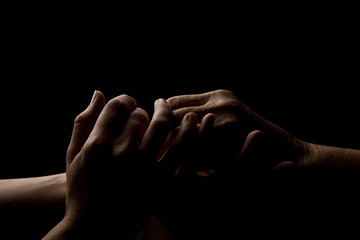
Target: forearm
[
  {"x": 328, "y": 157},
  {"x": 34, "y": 191}
]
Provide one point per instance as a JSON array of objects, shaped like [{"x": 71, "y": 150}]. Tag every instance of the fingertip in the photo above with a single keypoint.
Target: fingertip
[
  {"x": 97, "y": 97},
  {"x": 100, "y": 97},
  {"x": 162, "y": 111},
  {"x": 284, "y": 166},
  {"x": 191, "y": 119},
  {"x": 160, "y": 102},
  {"x": 252, "y": 141},
  {"x": 172, "y": 101},
  {"x": 129, "y": 99},
  {"x": 206, "y": 124},
  {"x": 93, "y": 110},
  {"x": 84, "y": 123},
  {"x": 255, "y": 135},
  {"x": 142, "y": 113},
  {"x": 122, "y": 103},
  {"x": 208, "y": 118}
]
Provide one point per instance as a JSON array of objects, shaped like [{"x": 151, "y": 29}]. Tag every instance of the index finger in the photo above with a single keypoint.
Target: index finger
[
  {"x": 158, "y": 130},
  {"x": 84, "y": 124}
]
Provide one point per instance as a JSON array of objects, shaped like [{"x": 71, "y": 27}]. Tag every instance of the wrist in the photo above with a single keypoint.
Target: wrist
[
  {"x": 329, "y": 157},
  {"x": 57, "y": 189},
  {"x": 63, "y": 230},
  {"x": 306, "y": 158}
]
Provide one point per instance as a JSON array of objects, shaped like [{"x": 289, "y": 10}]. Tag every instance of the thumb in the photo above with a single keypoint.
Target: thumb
[
  {"x": 284, "y": 166},
  {"x": 84, "y": 123},
  {"x": 251, "y": 145}
]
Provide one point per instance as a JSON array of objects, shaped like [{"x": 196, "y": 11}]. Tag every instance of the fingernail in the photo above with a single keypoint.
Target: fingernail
[
  {"x": 94, "y": 97},
  {"x": 191, "y": 118}
]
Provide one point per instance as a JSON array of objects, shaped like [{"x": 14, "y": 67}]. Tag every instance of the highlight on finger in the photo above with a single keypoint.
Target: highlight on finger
[
  {"x": 114, "y": 115},
  {"x": 92, "y": 112},
  {"x": 132, "y": 133},
  {"x": 187, "y": 100},
  {"x": 158, "y": 130},
  {"x": 84, "y": 124},
  {"x": 206, "y": 125},
  {"x": 251, "y": 142}
]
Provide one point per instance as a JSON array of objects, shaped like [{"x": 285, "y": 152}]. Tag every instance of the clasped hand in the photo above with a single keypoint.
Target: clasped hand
[
  {"x": 111, "y": 166},
  {"x": 117, "y": 157}
]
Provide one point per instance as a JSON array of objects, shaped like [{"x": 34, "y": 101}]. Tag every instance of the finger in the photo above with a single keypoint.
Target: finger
[
  {"x": 252, "y": 154},
  {"x": 158, "y": 129},
  {"x": 84, "y": 123},
  {"x": 179, "y": 114},
  {"x": 188, "y": 100},
  {"x": 205, "y": 132},
  {"x": 284, "y": 166},
  {"x": 259, "y": 151},
  {"x": 113, "y": 117},
  {"x": 133, "y": 132},
  {"x": 206, "y": 125},
  {"x": 251, "y": 143},
  {"x": 181, "y": 146}
]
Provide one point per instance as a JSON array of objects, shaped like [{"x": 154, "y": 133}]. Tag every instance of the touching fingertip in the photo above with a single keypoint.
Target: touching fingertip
[
  {"x": 94, "y": 96},
  {"x": 161, "y": 100},
  {"x": 97, "y": 95},
  {"x": 210, "y": 117},
  {"x": 191, "y": 118}
]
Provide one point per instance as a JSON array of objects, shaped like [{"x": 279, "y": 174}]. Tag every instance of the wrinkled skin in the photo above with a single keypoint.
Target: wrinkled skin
[{"x": 234, "y": 123}]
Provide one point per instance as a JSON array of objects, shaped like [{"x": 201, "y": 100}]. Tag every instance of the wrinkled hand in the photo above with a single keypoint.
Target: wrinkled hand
[
  {"x": 258, "y": 155},
  {"x": 233, "y": 122}
]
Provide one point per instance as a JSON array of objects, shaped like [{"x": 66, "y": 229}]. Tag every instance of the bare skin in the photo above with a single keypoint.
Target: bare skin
[
  {"x": 234, "y": 121},
  {"x": 33, "y": 191},
  {"x": 111, "y": 165},
  {"x": 225, "y": 124},
  {"x": 223, "y": 109}
]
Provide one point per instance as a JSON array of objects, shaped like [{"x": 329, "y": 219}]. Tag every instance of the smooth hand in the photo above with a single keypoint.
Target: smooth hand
[{"x": 109, "y": 168}]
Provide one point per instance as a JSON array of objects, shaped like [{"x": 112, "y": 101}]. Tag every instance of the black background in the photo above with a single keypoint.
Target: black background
[{"x": 296, "y": 65}]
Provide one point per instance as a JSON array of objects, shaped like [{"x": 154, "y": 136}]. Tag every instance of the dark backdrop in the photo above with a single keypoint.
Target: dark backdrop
[{"x": 297, "y": 70}]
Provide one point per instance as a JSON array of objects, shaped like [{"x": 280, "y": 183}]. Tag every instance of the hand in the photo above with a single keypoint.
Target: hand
[
  {"x": 233, "y": 122},
  {"x": 109, "y": 168},
  {"x": 258, "y": 149}
]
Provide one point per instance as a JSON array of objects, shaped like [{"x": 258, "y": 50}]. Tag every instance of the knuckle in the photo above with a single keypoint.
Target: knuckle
[
  {"x": 162, "y": 117},
  {"x": 117, "y": 105},
  {"x": 226, "y": 104},
  {"x": 128, "y": 99},
  {"x": 161, "y": 124},
  {"x": 80, "y": 118},
  {"x": 173, "y": 101},
  {"x": 139, "y": 115},
  {"x": 122, "y": 103},
  {"x": 83, "y": 117},
  {"x": 97, "y": 145},
  {"x": 224, "y": 97},
  {"x": 232, "y": 103},
  {"x": 124, "y": 150},
  {"x": 224, "y": 92}
]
